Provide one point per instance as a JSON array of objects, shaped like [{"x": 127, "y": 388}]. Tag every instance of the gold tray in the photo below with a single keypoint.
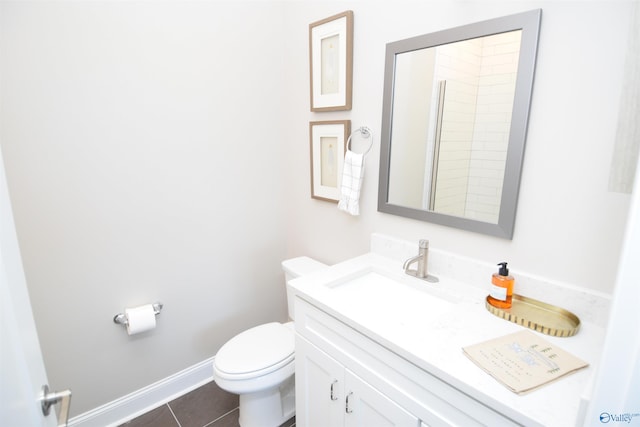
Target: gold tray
[{"x": 539, "y": 316}]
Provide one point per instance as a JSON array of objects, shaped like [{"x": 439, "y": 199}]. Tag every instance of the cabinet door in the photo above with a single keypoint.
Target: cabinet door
[
  {"x": 367, "y": 407},
  {"x": 319, "y": 387}
]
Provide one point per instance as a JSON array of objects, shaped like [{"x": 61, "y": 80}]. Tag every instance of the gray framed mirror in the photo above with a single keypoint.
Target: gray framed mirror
[{"x": 454, "y": 123}]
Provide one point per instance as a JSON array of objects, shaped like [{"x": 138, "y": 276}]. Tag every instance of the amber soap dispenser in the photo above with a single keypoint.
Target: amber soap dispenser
[{"x": 501, "y": 293}]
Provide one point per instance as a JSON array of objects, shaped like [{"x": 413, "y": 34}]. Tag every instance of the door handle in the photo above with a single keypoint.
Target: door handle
[
  {"x": 333, "y": 393},
  {"x": 50, "y": 398},
  {"x": 347, "y": 407}
]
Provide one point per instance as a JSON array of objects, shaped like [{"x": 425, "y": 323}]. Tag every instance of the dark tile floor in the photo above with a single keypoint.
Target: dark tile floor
[{"x": 207, "y": 406}]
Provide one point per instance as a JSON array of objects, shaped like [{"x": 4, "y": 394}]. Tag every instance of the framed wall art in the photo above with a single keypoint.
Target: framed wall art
[
  {"x": 331, "y": 62},
  {"x": 327, "y": 146}
]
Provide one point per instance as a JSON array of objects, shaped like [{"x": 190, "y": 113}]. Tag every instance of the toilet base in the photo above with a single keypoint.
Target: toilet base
[{"x": 268, "y": 408}]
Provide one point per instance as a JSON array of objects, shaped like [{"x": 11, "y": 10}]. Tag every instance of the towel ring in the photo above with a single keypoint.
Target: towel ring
[{"x": 366, "y": 133}]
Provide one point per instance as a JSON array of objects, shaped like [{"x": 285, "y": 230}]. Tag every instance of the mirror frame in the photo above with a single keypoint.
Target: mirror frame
[{"x": 529, "y": 23}]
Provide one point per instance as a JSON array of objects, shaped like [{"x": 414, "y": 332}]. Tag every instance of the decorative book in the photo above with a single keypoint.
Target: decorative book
[{"x": 523, "y": 361}]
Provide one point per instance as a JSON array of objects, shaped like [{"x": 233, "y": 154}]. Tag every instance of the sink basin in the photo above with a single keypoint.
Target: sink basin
[{"x": 376, "y": 298}]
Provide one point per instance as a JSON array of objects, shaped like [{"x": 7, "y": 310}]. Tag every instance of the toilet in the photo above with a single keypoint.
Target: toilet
[{"x": 258, "y": 364}]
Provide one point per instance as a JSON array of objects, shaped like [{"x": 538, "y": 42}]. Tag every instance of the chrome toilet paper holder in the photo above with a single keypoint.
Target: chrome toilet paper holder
[{"x": 121, "y": 318}]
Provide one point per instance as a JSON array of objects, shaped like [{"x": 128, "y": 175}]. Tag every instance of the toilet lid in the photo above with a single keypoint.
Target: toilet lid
[{"x": 266, "y": 346}]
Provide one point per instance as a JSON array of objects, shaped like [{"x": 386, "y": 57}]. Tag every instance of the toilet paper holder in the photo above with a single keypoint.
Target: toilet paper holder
[{"x": 121, "y": 318}]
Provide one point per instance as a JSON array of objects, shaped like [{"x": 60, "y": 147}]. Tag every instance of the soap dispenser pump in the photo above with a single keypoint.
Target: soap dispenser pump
[{"x": 501, "y": 294}]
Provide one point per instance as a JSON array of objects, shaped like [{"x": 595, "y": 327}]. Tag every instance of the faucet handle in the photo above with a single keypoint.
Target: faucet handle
[{"x": 424, "y": 244}]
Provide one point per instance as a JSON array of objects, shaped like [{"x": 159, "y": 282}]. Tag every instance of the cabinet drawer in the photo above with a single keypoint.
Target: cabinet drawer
[{"x": 432, "y": 400}]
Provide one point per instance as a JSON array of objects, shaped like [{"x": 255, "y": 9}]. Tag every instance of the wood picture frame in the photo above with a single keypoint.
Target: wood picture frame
[
  {"x": 331, "y": 62},
  {"x": 327, "y": 143}
]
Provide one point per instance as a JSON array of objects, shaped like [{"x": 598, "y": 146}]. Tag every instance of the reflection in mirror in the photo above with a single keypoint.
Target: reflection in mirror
[
  {"x": 454, "y": 122},
  {"x": 453, "y": 148}
]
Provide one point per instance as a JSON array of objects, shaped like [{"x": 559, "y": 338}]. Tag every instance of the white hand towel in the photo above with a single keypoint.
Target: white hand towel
[{"x": 352, "y": 174}]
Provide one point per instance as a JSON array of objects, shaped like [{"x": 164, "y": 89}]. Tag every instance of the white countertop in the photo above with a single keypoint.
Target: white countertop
[{"x": 431, "y": 335}]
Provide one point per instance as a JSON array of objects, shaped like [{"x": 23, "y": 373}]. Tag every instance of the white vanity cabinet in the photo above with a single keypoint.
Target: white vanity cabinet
[
  {"x": 328, "y": 394},
  {"x": 345, "y": 378}
]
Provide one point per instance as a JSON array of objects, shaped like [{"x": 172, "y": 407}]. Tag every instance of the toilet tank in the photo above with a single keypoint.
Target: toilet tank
[{"x": 296, "y": 267}]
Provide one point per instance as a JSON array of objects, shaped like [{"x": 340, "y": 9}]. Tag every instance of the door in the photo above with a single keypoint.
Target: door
[
  {"x": 22, "y": 372},
  {"x": 328, "y": 394},
  {"x": 617, "y": 382},
  {"x": 367, "y": 407},
  {"x": 319, "y": 387}
]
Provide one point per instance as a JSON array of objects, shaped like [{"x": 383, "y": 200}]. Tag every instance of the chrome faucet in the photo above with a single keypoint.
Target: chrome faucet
[{"x": 421, "y": 259}]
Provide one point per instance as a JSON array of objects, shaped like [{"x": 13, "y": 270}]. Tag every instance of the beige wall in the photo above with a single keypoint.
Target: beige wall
[
  {"x": 160, "y": 152},
  {"x": 144, "y": 157},
  {"x": 568, "y": 224}
]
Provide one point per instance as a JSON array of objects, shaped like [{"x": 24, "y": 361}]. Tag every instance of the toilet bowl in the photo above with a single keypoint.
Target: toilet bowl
[{"x": 259, "y": 363}]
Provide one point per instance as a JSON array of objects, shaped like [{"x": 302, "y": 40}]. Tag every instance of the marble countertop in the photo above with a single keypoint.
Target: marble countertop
[{"x": 429, "y": 324}]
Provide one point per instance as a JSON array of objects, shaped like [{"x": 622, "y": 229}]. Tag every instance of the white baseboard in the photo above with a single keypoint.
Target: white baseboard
[{"x": 150, "y": 397}]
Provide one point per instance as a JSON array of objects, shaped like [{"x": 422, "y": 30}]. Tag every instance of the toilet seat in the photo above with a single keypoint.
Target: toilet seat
[{"x": 255, "y": 352}]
